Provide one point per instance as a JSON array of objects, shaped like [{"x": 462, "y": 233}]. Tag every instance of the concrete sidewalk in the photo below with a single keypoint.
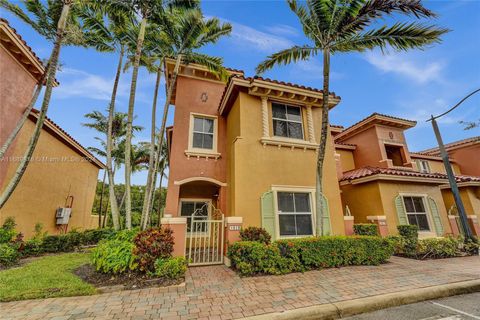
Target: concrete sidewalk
[{"x": 216, "y": 292}]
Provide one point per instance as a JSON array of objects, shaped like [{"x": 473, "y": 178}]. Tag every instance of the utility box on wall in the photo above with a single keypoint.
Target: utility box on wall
[{"x": 63, "y": 215}]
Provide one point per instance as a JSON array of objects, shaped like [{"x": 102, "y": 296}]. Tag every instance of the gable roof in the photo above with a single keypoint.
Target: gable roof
[
  {"x": 375, "y": 118},
  {"x": 67, "y": 139},
  {"x": 452, "y": 146}
]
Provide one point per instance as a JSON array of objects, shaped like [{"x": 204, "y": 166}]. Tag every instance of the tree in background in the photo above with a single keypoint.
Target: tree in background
[{"x": 342, "y": 26}]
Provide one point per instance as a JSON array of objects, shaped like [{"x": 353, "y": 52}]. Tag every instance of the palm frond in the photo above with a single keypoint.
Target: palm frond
[
  {"x": 286, "y": 56},
  {"x": 19, "y": 13}
]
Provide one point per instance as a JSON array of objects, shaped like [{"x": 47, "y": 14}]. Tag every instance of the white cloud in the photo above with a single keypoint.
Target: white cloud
[
  {"x": 312, "y": 69},
  {"x": 404, "y": 66},
  {"x": 283, "y": 30},
  {"x": 251, "y": 38},
  {"x": 78, "y": 83}
]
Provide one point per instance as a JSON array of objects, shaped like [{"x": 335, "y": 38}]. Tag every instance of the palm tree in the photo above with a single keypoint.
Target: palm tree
[
  {"x": 56, "y": 24},
  {"x": 182, "y": 33},
  {"x": 341, "y": 26}
]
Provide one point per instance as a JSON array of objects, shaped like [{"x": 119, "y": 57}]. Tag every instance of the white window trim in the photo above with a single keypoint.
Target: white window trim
[
  {"x": 298, "y": 189},
  {"x": 286, "y": 120},
  {"x": 424, "y": 233},
  {"x": 198, "y": 152},
  {"x": 196, "y": 200},
  {"x": 420, "y": 168}
]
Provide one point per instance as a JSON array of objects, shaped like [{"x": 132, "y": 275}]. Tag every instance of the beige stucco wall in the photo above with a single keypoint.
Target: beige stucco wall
[
  {"x": 378, "y": 198},
  {"x": 256, "y": 168},
  {"x": 470, "y": 198},
  {"x": 347, "y": 161},
  {"x": 437, "y": 166},
  {"x": 46, "y": 184}
]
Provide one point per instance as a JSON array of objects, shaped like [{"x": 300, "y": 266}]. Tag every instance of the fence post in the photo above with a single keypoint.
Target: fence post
[
  {"x": 348, "y": 222},
  {"x": 233, "y": 225},
  {"x": 474, "y": 225},
  {"x": 454, "y": 225},
  {"x": 381, "y": 222},
  {"x": 179, "y": 228}
]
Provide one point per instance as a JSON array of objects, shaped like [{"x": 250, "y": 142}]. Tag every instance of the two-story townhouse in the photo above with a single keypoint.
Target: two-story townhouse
[
  {"x": 380, "y": 179},
  {"x": 248, "y": 147}
]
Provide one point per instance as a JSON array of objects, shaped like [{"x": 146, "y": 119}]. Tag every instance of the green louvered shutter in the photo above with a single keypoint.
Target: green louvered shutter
[
  {"x": 402, "y": 215},
  {"x": 437, "y": 222},
  {"x": 268, "y": 213},
  {"x": 326, "y": 224}
]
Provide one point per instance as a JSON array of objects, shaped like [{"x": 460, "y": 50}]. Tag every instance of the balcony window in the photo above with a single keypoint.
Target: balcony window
[
  {"x": 394, "y": 153},
  {"x": 287, "y": 121}
]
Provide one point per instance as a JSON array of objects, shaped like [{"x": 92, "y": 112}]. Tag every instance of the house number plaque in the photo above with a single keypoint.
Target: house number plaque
[{"x": 234, "y": 228}]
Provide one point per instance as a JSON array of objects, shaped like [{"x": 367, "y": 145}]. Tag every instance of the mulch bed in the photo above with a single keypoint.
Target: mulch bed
[{"x": 129, "y": 280}]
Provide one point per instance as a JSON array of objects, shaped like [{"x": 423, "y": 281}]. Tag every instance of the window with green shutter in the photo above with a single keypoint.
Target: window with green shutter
[
  {"x": 437, "y": 221},
  {"x": 268, "y": 213}
]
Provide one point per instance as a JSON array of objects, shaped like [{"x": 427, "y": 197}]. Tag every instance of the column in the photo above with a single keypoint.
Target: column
[
  {"x": 348, "y": 221},
  {"x": 233, "y": 225},
  {"x": 474, "y": 225},
  {"x": 381, "y": 222},
  {"x": 453, "y": 225},
  {"x": 179, "y": 228},
  {"x": 265, "y": 130},
  {"x": 311, "y": 131}
]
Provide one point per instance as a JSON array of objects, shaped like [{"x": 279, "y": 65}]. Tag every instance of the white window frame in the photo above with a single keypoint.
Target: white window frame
[
  {"x": 294, "y": 189},
  {"x": 427, "y": 211},
  {"x": 423, "y": 166},
  {"x": 193, "y": 150},
  {"x": 286, "y": 120},
  {"x": 209, "y": 201}
]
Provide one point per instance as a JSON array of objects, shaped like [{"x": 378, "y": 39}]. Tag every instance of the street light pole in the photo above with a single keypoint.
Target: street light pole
[
  {"x": 451, "y": 177},
  {"x": 452, "y": 181}
]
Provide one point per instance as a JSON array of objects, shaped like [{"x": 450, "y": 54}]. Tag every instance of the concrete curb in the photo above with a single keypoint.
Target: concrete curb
[{"x": 347, "y": 308}]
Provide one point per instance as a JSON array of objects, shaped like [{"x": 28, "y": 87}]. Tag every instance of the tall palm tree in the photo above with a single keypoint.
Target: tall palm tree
[
  {"x": 340, "y": 26},
  {"x": 182, "y": 33},
  {"x": 110, "y": 27},
  {"x": 53, "y": 21}
]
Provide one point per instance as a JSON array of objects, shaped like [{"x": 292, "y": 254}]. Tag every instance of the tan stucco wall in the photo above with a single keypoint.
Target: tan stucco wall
[
  {"x": 470, "y": 198},
  {"x": 437, "y": 166},
  {"x": 256, "y": 167},
  {"x": 347, "y": 161},
  {"x": 378, "y": 198},
  {"x": 47, "y": 183}
]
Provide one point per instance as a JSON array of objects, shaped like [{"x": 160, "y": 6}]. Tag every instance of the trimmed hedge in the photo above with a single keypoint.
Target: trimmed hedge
[
  {"x": 172, "y": 268},
  {"x": 365, "y": 229},
  {"x": 255, "y": 234},
  {"x": 285, "y": 256}
]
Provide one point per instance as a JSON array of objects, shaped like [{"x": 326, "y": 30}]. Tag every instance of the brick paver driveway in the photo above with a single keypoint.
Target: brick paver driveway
[{"x": 216, "y": 292}]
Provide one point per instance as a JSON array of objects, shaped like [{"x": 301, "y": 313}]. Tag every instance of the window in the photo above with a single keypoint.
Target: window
[
  {"x": 203, "y": 133},
  {"x": 294, "y": 214},
  {"x": 423, "y": 166},
  {"x": 200, "y": 208},
  {"x": 287, "y": 121},
  {"x": 416, "y": 213},
  {"x": 394, "y": 153}
]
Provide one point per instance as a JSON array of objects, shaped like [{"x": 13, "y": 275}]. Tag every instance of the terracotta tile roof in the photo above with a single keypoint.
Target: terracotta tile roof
[
  {"x": 75, "y": 143},
  {"x": 337, "y": 126},
  {"x": 370, "y": 171},
  {"x": 21, "y": 39},
  {"x": 436, "y": 151}
]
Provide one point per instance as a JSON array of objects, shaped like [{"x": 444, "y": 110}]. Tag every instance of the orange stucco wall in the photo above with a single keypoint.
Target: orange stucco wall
[
  {"x": 16, "y": 88},
  {"x": 467, "y": 159},
  {"x": 189, "y": 99},
  {"x": 46, "y": 183},
  {"x": 347, "y": 160}
]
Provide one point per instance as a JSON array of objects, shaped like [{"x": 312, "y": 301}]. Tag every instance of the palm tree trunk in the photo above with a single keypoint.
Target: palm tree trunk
[
  {"x": 152, "y": 161},
  {"x": 159, "y": 209},
  {"x": 43, "y": 110},
  {"x": 25, "y": 114},
  {"x": 128, "y": 137},
  {"x": 323, "y": 144},
  {"x": 101, "y": 200},
  {"x": 111, "y": 176}
]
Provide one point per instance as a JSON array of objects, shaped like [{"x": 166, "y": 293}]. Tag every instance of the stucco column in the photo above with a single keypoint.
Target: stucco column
[
  {"x": 265, "y": 131},
  {"x": 348, "y": 221},
  {"x": 453, "y": 225},
  {"x": 171, "y": 205},
  {"x": 381, "y": 222},
  {"x": 474, "y": 225},
  {"x": 179, "y": 228},
  {"x": 233, "y": 225},
  {"x": 311, "y": 132}
]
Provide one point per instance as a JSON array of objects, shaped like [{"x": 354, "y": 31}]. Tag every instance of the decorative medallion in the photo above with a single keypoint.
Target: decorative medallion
[
  {"x": 204, "y": 97},
  {"x": 390, "y": 134}
]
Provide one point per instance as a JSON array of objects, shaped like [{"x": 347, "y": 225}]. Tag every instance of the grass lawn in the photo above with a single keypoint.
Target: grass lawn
[{"x": 45, "y": 277}]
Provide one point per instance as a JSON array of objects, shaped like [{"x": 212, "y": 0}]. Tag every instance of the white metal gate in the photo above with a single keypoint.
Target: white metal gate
[{"x": 205, "y": 237}]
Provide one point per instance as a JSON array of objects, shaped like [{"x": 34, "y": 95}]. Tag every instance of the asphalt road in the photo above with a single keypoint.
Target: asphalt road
[{"x": 463, "y": 307}]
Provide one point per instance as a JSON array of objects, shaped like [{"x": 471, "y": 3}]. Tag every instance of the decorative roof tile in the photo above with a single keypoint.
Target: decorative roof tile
[{"x": 451, "y": 145}]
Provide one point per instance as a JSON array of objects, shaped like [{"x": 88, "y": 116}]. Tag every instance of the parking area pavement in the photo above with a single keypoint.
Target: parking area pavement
[
  {"x": 462, "y": 307},
  {"x": 216, "y": 292}
]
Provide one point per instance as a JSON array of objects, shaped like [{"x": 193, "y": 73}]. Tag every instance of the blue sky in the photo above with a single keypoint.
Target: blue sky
[{"x": 411, "y": 85}]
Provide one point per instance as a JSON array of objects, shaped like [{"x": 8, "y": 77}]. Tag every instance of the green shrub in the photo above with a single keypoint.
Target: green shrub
[
  {"x": 125, "y": 235},
  {"x": 7, "y": 231},
  {"x": 408, "y": 231},
  {"x": 39, "y": 234},
  {"x": 114, "y": 256},
  {"x": 151, "y": 245},
  {"x": 172, "y": 268},
  {"x": 8, "y": 254},
  {"x": 471, "y": 246},
  {"x": 409, "y": 240},
  {"x": 93, "y": 236},
  {"x": 32, "y": 247},
  {"x": 437, "y": 248},
  {"x": 365, "y": 229},
  {"x": 255, "y": 234},
  {"x": 284, "y": 256}
]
